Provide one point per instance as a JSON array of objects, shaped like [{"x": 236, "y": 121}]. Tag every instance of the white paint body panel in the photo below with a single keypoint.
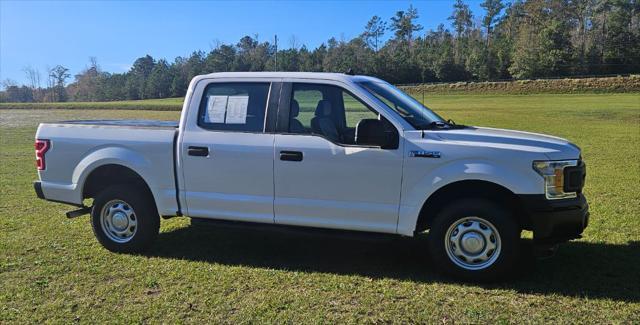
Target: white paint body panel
[
  {"x": 77, "y": 150},
  {"x": 235, "y": 182},
  {"x": 356, "y": 188}
]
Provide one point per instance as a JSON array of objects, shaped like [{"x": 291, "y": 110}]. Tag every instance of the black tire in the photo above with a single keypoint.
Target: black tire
[
  {"x": 502, "y": 221},
  {"x": 145, "y": 215}
]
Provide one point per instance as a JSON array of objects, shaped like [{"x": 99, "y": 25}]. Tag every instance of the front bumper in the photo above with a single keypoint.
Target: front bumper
[{"x": 555, "y": 221}]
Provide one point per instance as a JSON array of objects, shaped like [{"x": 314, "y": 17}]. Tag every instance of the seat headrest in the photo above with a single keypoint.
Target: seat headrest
[
  {"x": 295, "y": 108},
  {"x": 324, "y": 108}
]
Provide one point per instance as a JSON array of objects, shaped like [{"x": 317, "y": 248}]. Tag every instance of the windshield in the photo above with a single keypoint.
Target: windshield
[{"x": 418, "y": 115}]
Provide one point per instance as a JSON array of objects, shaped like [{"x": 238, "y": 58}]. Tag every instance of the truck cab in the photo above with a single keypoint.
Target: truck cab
[{"x": 321, "y": 150}]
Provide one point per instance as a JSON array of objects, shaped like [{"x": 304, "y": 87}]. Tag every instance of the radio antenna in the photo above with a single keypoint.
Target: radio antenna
[{"x": 275, "y": 64}]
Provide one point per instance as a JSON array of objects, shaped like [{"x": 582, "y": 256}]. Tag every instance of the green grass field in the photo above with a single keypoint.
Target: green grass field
[
  {"x": 166, "y": 104},
  {"x": 53, "y": 270}
]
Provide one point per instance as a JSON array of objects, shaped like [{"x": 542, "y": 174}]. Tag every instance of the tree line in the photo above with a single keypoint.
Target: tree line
[{"x": 523, "y": 39}]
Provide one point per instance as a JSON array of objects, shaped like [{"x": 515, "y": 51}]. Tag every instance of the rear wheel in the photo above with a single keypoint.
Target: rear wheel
[
  {"x": 474, "y": 239},
  {"x": 124, "y": 219}
]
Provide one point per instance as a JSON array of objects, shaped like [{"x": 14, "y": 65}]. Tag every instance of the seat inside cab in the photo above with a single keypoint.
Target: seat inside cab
[{"x": 328, "y": 111}]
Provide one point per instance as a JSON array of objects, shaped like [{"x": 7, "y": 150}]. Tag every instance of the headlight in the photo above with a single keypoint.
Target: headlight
[{"x": 553, "y": 174}]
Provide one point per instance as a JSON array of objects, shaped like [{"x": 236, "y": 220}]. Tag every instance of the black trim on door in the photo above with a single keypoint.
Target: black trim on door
[
  {"x": 282, "y": 125},
  {"x": 275, "y": 94}
]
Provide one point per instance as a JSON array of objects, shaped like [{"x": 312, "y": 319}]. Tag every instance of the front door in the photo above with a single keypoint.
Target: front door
[
  {"x": 322, "y": 178},
  {"x": 227, "y": 158}
]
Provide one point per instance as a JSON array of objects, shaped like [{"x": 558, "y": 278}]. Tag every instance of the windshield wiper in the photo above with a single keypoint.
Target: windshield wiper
[
  {"x": 442, "y": 125},
  {"x": 453, "y": 125},
  {"x": 438, "y": 125}
]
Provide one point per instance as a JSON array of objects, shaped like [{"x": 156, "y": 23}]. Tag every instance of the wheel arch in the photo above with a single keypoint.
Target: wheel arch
[
  {"x": 108, "y": 175},
  {"x": 469, "y": 189}
]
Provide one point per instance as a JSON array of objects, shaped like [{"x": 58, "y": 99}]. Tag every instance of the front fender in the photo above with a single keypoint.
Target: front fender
[{"x": 416, "y": 192}]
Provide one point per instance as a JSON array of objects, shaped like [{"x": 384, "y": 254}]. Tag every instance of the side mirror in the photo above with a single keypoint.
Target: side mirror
[{"x": 372, "y": 132}]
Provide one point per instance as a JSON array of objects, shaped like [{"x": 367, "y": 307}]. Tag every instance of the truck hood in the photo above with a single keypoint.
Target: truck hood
[{"x": 553, "y": 147}]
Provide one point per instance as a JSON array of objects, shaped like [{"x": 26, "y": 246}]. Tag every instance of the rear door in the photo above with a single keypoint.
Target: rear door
[
  {"x": 227, "y": 152},
  {"x": 322, "y": 179}
]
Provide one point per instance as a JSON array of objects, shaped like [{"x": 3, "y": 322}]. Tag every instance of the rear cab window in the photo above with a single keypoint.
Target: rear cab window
[{"x": 234, "y": 106}]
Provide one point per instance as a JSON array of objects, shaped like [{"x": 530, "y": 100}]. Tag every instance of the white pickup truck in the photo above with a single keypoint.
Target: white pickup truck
[{"x": 319, "y": 150}]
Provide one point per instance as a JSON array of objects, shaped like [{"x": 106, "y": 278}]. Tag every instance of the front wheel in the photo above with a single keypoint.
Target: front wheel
[
  {"x": 475, "y": 239},
  {"x": 124, "y": 219}
]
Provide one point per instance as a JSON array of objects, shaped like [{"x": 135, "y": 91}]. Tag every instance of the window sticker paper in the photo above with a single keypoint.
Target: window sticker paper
[
  {"x": 216, "y": 108},
  {"x": 237, "y": 110}
]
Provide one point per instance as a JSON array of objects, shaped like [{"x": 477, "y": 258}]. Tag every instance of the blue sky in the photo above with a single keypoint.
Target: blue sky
[{"x": 43, "y": 34}]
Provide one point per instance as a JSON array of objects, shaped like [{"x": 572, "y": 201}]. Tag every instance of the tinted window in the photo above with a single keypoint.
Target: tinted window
[
  {"x": 355, "y": 110},
  {"x": 307, "y": 100},
  {"x": 327, "y": 111},
  {"x": 418, "y": 115},
  {"x": 234, "y": 107}
]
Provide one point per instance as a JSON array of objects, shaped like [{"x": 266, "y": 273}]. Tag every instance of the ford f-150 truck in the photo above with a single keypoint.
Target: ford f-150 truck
[{"x": 318, "y": 150}]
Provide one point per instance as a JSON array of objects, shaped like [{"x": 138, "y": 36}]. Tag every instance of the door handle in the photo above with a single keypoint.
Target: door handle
[
  {"x": 198, "y": 151},
  {"x": 291, "y": 155}
]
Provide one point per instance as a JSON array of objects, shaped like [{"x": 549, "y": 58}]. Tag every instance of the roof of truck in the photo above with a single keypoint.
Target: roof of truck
[{"x": 277, "y": 74}]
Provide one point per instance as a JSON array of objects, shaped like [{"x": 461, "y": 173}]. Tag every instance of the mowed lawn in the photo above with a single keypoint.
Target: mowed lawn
[
  {"x": 165, "y": 104},
  {"x": 53, "y": 270}
]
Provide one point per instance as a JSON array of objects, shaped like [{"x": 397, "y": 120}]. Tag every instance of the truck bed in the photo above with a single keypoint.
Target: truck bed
[
  {"x": 77, "y": 147},
  {"x": 127, "y": 123}
]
